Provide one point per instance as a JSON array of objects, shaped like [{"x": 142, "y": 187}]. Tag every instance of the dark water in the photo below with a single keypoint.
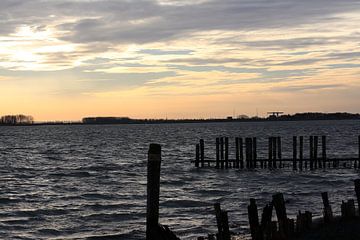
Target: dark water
[{"x": 74, "y": 182}]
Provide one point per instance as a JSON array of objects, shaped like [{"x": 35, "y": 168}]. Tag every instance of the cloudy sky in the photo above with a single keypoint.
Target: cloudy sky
[{"x": 63, "y": 60}]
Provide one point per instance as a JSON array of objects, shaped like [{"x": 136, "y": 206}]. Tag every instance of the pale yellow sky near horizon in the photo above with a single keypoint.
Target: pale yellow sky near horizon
[{"x": 65, "y": 60}]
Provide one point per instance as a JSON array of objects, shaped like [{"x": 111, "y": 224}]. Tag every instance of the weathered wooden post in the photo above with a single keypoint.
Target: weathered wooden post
[
  {"x": 270, "y": 146},
  {"x": 294, "y": 152},
  {"x": 279, "y": 204},
  {"x": 274, "y": 152},
  {"x": 202, "y": 152},
  {"x": 241, "y": 153},
  {"x": 316, "y": 144},
  {"x": 323, "y": 145},
  {"x": 357, "y": 191},
  {"x": 217, "y": 208},
  {"x": 254, "y": 152},
  {"x": 153, "y": 192},
  {"x": 217, "y": 153},
  {"x": 254, "y": 220},
  {"x": 237, "y": 153},
  {"x": 328, "y": 215},
  {"x": 248, "y": 147},
  {"x": 197, "y": 158},
  {"x": 226, "y": 152},
  {"x": 279, "y": 151},
  {"x": 222, "y": 223},
  {"x": 301, "y": 154},
  {"x": 266, "y": 221},
  {"x": 348, "y": 209},
  {"x": 222, "y": 152},
  {"x": 358, "y": 161},
  {"x": 311, "y": 152}
]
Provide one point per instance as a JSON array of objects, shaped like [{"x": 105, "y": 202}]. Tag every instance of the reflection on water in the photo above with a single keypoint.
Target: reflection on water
[{"x": 84, "y": 181}]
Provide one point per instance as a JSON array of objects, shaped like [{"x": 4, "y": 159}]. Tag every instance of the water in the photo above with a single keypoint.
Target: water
[{"x": 78, "y": 182}]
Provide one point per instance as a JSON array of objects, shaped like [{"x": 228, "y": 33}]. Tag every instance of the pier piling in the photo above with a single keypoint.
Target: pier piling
[{"x": 153, "y": 191}]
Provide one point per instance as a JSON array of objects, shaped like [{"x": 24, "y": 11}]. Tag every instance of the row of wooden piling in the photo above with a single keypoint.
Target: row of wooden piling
[
  {"x": 246, "y": 154},
  {"x": 284, "y": 228}
]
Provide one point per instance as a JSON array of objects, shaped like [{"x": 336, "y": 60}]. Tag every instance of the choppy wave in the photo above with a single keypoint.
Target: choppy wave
[{"x": 89, "y": 182}]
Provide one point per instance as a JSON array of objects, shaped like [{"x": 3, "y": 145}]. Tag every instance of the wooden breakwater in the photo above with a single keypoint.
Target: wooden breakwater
[
  {"x": 286, "y": 228},
  {"x": 247, "y": 156}
]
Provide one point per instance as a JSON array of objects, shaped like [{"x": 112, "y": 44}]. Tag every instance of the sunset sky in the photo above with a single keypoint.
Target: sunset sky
[{"x": 64, "y": 60}]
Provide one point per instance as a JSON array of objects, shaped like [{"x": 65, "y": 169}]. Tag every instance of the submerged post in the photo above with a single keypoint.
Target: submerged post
[
  {"x": 301, "y": 154},
  {"x": 222, "y": 152},
  {"x": 226, "y": 152},
  {"x": 237, "y": 153},
  {"x": 328, "y": 215},
  {"x": 279, "y": 151},
  {"x": 294, "y": 152},
  {"x": 197, "y": 158},
  {"x": 323, "y": 145},
  {"x": 217, "y": 152},
  {"x": 311, "y": 152},
  {"x": 254, "y": 152},
  {"x": 202, "y": 152},
  {"x": 316, "y": 144},
  {"x": 274, "y": 152},
  {"x": 153, "y": 191},
  {"x": 241, "y": 153},
  {"x": 270, "y": 146},
  {"x": 253, "y": 219}
]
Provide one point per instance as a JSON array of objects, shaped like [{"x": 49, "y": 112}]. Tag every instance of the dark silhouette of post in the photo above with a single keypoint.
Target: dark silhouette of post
[
  {"x": 301, "y": 154},
  {"x": 202, "y": 152},
  {"x": 357, "y": 191},
  {"x": 294, "y": 152},
  {"x": 253, "y": 219},
  {"x": 274, "y": 152},
  {"x": 316, "y": 144},
  {"x": 153, "y": 191},
  {"x": 254, "y": 152},
  {"x": 226, "y": 152},
  {"x": 311, "y": 152},
  {"x": 217, "y": 152},
  {"x": 222, "y": 152},
  {"x": 237, "y": 153},
  {"x": 323, "y": 145},
  {"x": 241, "y": 153},
  {"x": 279, "y": 151},
  {"x": 279, "y": 204},
  {"x": 270, "y": 146},
  {"x": 197, "y": 159}
]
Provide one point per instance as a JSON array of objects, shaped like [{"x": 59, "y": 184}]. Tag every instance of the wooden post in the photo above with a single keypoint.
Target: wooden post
[
  {"x": 218, "y": 220},
  {"x": 222, "y": 152},
  {"x": 254, "y": 152},
  {"x": 301, "y": 155},
  {"x": 153, "y": 191},
  {"x": 270, "y": 146},
  {"x": 197, "y": 158},
  {"x": 279, "y": 151},
  {"x": 294, "y": 152},
  {"x": 248, "y": 142},
  {"x": 274, "y": 152},
  {"x": 217, "y": 153},
  {"x": 266, "y": 221},
  {"x": 328, "y": 215},
  {"x": 226, "y": 152},
  {"x": 357, "y": 191},
  {"x": 253, "y": 219},
  {"x": 237, "y": 153},
  {"x": 279, "y": 204},
  {"x": 222, "y": 223},
  {"x": 241, "y": 153},
  {"x": 316, "y": 144},
  {"x": 311, "y": 152},
  {"x": 323, "y": 145},
  {"x": 348, "y": 209},
  {"x": 358, "y": 162},
  {"x": 225, "y": 223},
  {"x": 202, "y": 152}
]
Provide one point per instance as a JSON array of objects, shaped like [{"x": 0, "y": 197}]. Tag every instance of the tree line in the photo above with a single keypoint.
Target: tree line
[{"x": 19, "y": 119}]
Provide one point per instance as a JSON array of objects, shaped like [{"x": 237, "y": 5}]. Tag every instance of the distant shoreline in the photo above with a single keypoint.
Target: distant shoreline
[{"x": 128, "y": 121}]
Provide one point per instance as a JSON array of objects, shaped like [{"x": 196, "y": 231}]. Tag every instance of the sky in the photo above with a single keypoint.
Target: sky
[{"x": 64, "y": 60}]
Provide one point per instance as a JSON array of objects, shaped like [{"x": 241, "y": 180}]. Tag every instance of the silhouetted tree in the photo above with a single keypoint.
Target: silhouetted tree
[{"x": 19, "y": 119}]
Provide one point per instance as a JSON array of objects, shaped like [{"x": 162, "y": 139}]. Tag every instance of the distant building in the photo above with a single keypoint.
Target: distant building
[{"x": 229, "y": 118}]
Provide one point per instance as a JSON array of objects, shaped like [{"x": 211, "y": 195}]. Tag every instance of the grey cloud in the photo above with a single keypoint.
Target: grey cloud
[{"x": 113, "y": 18}]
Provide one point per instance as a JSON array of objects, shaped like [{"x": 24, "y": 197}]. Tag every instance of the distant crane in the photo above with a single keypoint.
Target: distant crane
[{"x": 275, "y": 114}]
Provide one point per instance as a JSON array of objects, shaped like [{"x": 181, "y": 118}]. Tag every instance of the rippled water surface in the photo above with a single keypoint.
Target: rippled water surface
[{"x": 76, "y": 182}]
